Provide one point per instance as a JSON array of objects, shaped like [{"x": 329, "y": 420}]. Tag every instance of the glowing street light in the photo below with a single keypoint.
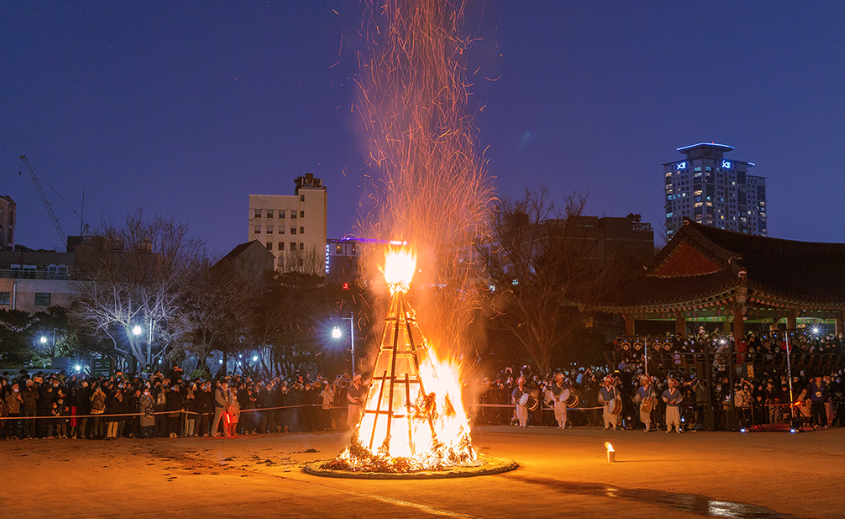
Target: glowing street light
[
  {"x": 77, "y": 368},
  {"x": 255, "y": 358},
  {"x": 336, "y": 334},
  {"x": 43, "y": 340},
  {"x": 136, "y": 330}
]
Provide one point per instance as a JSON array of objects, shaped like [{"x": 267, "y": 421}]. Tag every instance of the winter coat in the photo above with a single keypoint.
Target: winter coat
[
  {"x": 115, "y": 406},
  {"x": 14, "y": 402},
  {"x": 81, "y": 400},
  {"x": 204, "y": 405},
  {"x": 98, "y": 402},
  {"x": 146, "y": 408},
  {"x": 222, "y": 398},
  {"x": 174, "y": 402},
  {"x": 30, "y": 400}
]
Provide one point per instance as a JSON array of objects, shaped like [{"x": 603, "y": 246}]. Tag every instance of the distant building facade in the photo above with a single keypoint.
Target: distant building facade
[
  {"x": 712, "y": 190},
  {"x": 612, "y": 238},
  {"x": 343, "y": 260},
  {"x": 292, "y": 227},
  {"x": 8, "y": 213},
  {"x": 33, "y": 281},
  {"x": 605, "y": 242}
]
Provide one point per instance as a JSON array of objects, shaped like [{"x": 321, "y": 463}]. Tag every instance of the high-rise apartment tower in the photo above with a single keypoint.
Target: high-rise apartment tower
[{"x": 709, "y": 189}]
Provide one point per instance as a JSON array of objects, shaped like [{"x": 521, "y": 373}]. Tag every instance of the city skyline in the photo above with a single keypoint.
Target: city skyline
[{"x": 185, "y": 110}]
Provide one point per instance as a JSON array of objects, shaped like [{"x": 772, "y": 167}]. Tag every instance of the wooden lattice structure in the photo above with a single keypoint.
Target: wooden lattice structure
[{"x": 396, "y": 382}]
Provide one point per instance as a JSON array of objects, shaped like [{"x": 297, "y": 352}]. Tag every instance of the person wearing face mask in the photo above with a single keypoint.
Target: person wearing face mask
[
  {"x": 205, "y": 407},
  {"x": 146, "y": 406},
  {"x": 14, "y": 403},
  {"x": 81, "y": 407},
  {"x": 116, "y": 404},
  {"x": 45, "y": 426},
  {"x": 133, "y": 407}
]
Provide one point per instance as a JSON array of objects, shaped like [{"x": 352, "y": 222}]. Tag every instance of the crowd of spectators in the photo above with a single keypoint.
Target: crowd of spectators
[
  {"x": 62, "y": 406},
  {"x": 762, "y": 396},
  {"x": 671, "y": 351},
  {"x": 760, "y": 400}
]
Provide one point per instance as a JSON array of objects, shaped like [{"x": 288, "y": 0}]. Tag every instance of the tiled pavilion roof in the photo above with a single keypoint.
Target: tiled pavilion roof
[{"x": 705, "y": 266}]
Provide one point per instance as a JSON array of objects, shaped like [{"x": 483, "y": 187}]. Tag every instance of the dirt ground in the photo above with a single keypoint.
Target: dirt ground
[{"x": 561, "y": 473}]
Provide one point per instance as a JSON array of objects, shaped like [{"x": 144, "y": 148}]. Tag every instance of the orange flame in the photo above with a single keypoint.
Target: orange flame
[{"x": 399, "y": 266}]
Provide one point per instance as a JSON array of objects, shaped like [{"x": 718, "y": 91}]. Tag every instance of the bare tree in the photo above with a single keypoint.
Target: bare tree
[
  {"x": 218, "y": 307},
  {"x": 135, "y": 276},
  {"x": 311, "y": 261},
  {"x": 537, "y": 263}
]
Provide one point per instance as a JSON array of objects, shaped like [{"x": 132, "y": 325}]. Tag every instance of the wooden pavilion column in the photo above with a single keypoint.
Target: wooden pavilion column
[
  {"x": 629, "y": 325},
  {"x": 839, "y": 323},
  {"x": 739, "y": 324},
  {"x": 680, "y": 325},
  {"x": 792, "y": 319}
]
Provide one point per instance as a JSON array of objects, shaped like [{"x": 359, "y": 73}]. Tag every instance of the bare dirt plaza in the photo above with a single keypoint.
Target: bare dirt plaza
[{"x": 561, "y": 473}]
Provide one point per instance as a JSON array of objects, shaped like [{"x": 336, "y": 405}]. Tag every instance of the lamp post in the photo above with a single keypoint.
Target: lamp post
[{"x": 336, "y": 334}]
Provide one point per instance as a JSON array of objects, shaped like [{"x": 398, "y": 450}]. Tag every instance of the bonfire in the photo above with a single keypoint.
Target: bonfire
[{"x": 413, "y": 419}]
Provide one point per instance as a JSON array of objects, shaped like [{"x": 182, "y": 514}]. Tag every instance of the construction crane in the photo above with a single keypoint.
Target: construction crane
[{"x": 46, "y": 202}]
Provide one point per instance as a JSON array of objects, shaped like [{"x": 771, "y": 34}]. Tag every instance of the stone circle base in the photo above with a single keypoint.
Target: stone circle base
[{"x": 488, "y": 466}]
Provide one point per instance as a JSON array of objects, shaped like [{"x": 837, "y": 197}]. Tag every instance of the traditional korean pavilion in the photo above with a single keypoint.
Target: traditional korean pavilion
[{"x": 705, "y": 274}]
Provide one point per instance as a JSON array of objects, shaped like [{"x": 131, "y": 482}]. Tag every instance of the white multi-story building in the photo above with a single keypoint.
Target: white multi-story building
[
  {"x": 709, "y": 189},
  {"x": 292, "y": 227}
]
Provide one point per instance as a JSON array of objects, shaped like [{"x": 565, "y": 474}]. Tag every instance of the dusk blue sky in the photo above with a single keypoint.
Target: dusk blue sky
[{"x": 185, "y": 108}]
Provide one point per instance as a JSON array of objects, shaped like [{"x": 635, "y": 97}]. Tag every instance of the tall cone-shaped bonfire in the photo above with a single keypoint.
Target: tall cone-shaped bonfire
[{"x": 413, "y": 417}]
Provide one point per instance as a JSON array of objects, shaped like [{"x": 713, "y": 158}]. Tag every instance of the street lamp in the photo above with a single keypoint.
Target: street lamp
[
  {"x": 336, "y": 334},
  {"x": 136, "y": 330},
  {"x": 43, "y": 340}
]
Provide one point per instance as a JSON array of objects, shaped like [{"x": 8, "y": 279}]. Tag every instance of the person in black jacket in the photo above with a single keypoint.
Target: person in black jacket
[
  {"x": 30, "y": 408},
  {"x": 264, "y": 401},
  {"x": 45, "y": 426},
  {"x": 204, "y": 408},
  {"x": 175, "y": 407},
  {"x": 81, "y": 398},
  {"x": 159, "y": 394},
  {"x": 133, "y": 407},
  {"x": 116, "y": 403}
]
